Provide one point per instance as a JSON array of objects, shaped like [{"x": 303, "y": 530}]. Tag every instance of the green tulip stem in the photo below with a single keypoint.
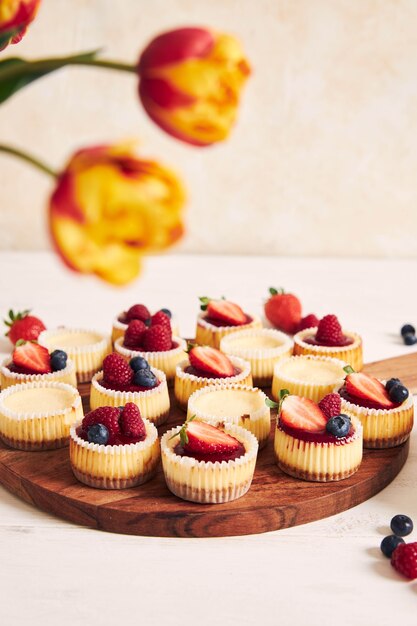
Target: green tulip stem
[{"x": 29, "y": 159}]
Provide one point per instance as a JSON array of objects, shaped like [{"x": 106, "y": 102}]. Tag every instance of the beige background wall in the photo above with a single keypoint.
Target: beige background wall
[{"x": 322, "y": 161}]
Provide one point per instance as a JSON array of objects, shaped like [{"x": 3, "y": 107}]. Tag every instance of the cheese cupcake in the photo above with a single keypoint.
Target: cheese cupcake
[
  {"x": 220, "y": 318},
  {"x": 308, "y": 376}
]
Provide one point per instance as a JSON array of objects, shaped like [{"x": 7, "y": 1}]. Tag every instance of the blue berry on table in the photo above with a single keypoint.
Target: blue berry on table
[
  {"x": 138, "y": 363},
  {"x": 339, "y": 425},
  {"x": 58, "y": 360},
  {"x": 408, "y": 329},
  {"x": 398, "y": 393},
  {"x": 145, "y": 378},
  {"x": 409, "y": 339},
  {"x": 388, "y": 544},
  {"x": 401, "y": 525},
  {"x": 98, "y": 433}
]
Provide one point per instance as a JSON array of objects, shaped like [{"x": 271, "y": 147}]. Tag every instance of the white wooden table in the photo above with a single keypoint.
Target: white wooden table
[{"x": 325, "y": 573}]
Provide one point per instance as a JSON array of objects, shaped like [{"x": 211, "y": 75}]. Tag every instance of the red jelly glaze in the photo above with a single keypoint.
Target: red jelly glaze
[
  {"x": 319, "y": 437},
  {"x": 312, "y": 341},
  {"x": 174, "y": 345},
  {"x": 133, "y": 388},
  {"x": 218, "y": 456},
  {"x": 221, "y": 324},
  {"x": 366, "y": 404},
  {"x": 192, "y": 370},
  {"x": 118, "y": 440}
]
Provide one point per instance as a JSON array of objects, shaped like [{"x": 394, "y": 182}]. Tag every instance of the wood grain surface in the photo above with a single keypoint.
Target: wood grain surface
[{"x": 274, "y": 500}]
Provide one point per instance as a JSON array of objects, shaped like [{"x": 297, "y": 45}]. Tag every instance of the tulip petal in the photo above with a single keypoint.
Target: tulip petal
[{"x": 175, "y": 46}]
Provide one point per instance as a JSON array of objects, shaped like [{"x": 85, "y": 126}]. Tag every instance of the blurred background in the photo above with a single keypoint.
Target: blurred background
[{"x": 323, "y": 158}]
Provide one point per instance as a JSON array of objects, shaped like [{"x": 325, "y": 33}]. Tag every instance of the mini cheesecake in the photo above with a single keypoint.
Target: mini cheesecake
[
  {"x": 165, "y": 360},
  {"x": 10, "y": 375},
  {"x": 308, "y": 376},
  {"x": 263, "y": 348},
  {"x": 220, "y": 318},
  {"x": 235, "y": 404},
  {"x": 38, "y": 415}
]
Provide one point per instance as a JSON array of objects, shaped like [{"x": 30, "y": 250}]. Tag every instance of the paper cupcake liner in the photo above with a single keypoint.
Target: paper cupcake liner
[
  {"x": 262, "y": 360},
  {"x": 209, "y": 335},
  {"x": 321, "y": 462},
  {"x": 351, "y": 354},
  {"x": 8, "y": 378},
  {"x": 298, "y": 387},
  {"x": 87, "y": 359},
  {"x": 257, "y": 422},
  {"x": 207, "y": 482},
  {"x": 33, "y": 430},
  {"x": 114, "y": 467},
  {"x": 383, "y": 428},
  {"x": 119, "y": 328},
  {"x": 186, "y": 384},
  {"x": 165, "y": 360},
  {"x": 153, "y": 403}
]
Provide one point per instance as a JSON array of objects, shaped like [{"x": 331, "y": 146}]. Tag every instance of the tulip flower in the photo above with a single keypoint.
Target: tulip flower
[
  {"x": 15, "y": 16},
  {"x": 190, "y": 83}
]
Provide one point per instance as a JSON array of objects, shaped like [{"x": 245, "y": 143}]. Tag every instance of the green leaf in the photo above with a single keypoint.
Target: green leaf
[
  {"x": 6, "y": 36},
  {"x": 271, "y": 403},
  {"x": 348, "y": 369}
]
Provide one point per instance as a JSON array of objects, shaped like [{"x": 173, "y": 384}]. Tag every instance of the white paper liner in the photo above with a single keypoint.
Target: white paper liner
[
  {"x": 205, "y": 481},
  {"x": 119, "y": 328},
  {"x": 209, "y": 335},
  {"x": 9, "y": 378},
  {"x": 165, "y": 360},
  {"x": 352, "y": 353}
]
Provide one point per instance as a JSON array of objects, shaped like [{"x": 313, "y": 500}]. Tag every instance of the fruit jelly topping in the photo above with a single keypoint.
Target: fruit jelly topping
[
  {"x": 214, "y": 456},
  {"x": 200, "y": 373},
  {"x": 315, "y": 437},
  {"x": 312, "y": 341},
  {"x": 223, "y": 323},
  {"x": 121, "y": 387},
  {"x": 117, "y": 440},
  {"x": 366, "y": 404}
]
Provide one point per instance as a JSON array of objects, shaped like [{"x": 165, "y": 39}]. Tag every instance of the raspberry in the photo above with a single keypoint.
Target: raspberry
[
  {"x": 160, "y": 318},
  {"x": 331, "y": 405},
  {"x": 106, "y": 415},
  {"x": 133, "y": 334},
  {"x": 131, "y": 422},
  {"x": 404, "y": 559},
  {"x": 157, "y": 338},
  {"x": 309, "y": 321},
  {"x": 116, "y": 370},
  {"x": 138, "y": 312},
  {"x": 330, "y": 331}
]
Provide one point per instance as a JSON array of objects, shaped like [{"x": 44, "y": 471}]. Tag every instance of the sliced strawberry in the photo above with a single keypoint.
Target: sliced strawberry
[
  {"x": 207, "y": 439},
  {"x": 302, "y": 414},
  {"x": 225, "y": 311},
  {"x": 32, "y": 357},
  {"x": 211, "y": 361},
  {"x": 360, "y": 385}
]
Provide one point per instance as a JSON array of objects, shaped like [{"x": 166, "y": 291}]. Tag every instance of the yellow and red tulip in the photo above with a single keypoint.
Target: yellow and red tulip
[
  {"x": 190, "y": 83},
  {"x": 15, "y": 16},
  {"x": 110, "y": 208}
]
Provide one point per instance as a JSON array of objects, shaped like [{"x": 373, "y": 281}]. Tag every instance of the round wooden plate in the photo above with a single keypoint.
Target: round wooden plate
[{"x": 274, "y": 500}]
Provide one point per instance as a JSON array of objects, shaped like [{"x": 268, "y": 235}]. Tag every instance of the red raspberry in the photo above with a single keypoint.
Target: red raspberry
[
  {"x": 404, "y": 559},
  {"x": 116, "y": 370},
  {"x": 106, "y": 415},
  {"x": 160, "y": 318},
  {"x": 134, "y": 333},
  {"x": 157, "y": 338},
  {"x": 131, "y": 422},
  {"x": 309, "y": 321},
  {"x": 330, "y": 331},
  {"x": 331, "y": 405},
  {"x": 138, "y": 312}
]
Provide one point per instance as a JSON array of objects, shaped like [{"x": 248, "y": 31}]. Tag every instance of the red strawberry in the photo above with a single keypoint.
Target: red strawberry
[
  {"x": 160, "y": 318},
  {"x": 204, "y": 438},
  {"x": 138, "y": 312},
  {"x": 106, "y": 415},
  {"x": 309, "y": 321},
  {"x": 211, "y": 361},
  {"x": 302, "y": 414},
  {"x": 32, "y": 358},
  {"x": 329, "y": 331},
  {"x": 131, "y": 422},
  {"x": 23, "y": 326},
  {"x": 331, "y": 405},
  {"x": 116, "y": 370},
  {"x": 224, "y": 311},
  {"x": 360, "y": 385},
  {"x": 404, "y": 559},
  {"x": 134, "y": 334},
  {"x": 283, "y": 310},
  {"x": 157, "y": 338}
]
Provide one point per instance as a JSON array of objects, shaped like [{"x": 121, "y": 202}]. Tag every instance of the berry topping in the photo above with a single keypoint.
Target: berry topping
[
  {"x": 131, "y": 422},
  {"x": 302, "y": 414},
  {"x": 167, "y": 312},
  {"x": 401, "y": 525},
  {"x": 409, "y": 339},
  {"x": 283, "y": 310},
  {"x": 211, "y": 361},
  {"x": 107, "y": 416},
  {"x": 32, "y": 358},
  {"x": 206, "y": 442},
  {"x": 224, "y": 311},
  {"x": 388, "y": 544},
  {"x": 360, "y": 385},
  {"x": 391, "y": 382},
  {"x": 98, "y": 433},
  {"x": 138, "y": 312},
  {"x": 134, "y": 334},
  {"x": 58, "y": 360},
  {"x": 116, "y": 370},
  {"x": 331, "y": 405},
  {"x": 157, "y": 338},
  {"x": 23, "y": 326},
  {"x": 329, "y": 331},
  {"x": 138, "y": 363},
  {"x": 404, "y": 559},
  {"x": 310, "y": 321},
  {"x": 161, "y": 318},
  {"x": 408, "y": 329},
  {"x": 339, "y": 425},
  {"x": 398, "y": 393},
  {"x": 145, "y": 378}
]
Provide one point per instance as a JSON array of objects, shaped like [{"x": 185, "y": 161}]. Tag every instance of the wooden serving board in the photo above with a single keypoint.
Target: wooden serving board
[{"x": 274, "y": 500}]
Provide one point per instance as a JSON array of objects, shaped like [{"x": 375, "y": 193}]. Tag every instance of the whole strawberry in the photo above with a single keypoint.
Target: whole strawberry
[
  {"x": 131, "y": 422},
  {"x": 23, "y": 326},
  {"x": 331, "y": 405},
  {"x": 134, "y": 334},
  {"x": 283, "y": 310},
  {"x": 116, "y": 371},
  {"x": 157, "y": 338},
  {"x": 404, "y": 559}
]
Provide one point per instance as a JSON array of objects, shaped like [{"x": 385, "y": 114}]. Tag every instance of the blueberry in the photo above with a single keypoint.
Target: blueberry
[
  {"x": 167, "y": 312},
  {"x": 145, "y": 378},
  {"x": 339, "y": 425},
  {"x": 58, "y": 360},
  {"x": 391, "y": 382},
  {"x": 401, "y": 525},
  {"x": 409, "y": 339},
  {"x": 408, "y": 329},
  {"x": 398, "y": 393},
  {"x": 98, "y": 433},
  {"x": 138, "y": 363},
  {"x": 388, "y": 544}
]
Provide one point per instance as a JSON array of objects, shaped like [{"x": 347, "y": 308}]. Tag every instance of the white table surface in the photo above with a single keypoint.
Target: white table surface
[{"x": 325, "y": 573}]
